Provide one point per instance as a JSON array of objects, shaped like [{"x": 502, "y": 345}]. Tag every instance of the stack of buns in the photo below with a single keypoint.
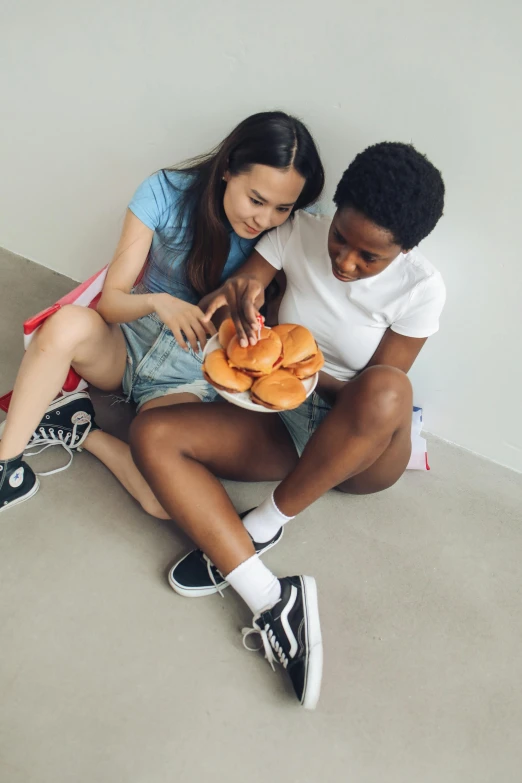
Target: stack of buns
[{"x": 272, "y": 370}]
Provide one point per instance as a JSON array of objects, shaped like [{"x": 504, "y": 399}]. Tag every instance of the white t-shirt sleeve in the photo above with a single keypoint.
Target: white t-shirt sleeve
[
  {"x": 272, "y": 245},
  {"x": 421, "y": 316}
]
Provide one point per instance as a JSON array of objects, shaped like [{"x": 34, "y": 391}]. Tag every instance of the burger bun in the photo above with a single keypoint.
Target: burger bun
[
  {"x": 279, "y": 391},
  {"x": 218, "y": 372}
]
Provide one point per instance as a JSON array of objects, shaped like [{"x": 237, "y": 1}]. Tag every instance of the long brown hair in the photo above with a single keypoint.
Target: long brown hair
[{"x": 268, "y": 138}]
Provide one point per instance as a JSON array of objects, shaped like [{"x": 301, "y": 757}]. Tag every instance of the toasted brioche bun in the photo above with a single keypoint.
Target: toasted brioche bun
[
  {"x": 283, "y": 329},
  {"x": 218, "y": 372},
  {"x": 279, "y": 391},
  {"x": 259, "y": 359},
  {"x": 226, "y": 332},
  {"x": 298, "y": 343},
  {"x": 308, "y": 367}
]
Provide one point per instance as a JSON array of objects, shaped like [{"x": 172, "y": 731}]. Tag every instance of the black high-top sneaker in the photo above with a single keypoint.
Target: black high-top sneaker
[
  {"x": 67, "y": 422},
  {"x": 291, "y": 635},
  {"x": 195, "y": 575},
  {"x": 17, "y": 482}
]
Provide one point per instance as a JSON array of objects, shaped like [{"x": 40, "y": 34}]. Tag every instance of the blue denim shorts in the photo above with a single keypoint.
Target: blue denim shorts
[
  {"x": 303, "y": 421},
  {"x": 157, "y": 365}
]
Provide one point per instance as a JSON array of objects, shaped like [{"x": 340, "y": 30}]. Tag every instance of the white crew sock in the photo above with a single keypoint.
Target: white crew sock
[
  {"x": 256, "y": 584},
  {"x": 264, "y": 521}
]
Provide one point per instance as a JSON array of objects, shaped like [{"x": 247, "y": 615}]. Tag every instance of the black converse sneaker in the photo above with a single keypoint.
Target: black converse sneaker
[
  {"x": 67, "y": 422},
  {"x": 195, "y": 575},
  {"x": 17, "y": 482},
  {"x": 291, "y": 635}
]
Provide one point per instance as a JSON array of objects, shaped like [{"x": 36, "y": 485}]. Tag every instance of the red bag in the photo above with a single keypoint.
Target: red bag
[{"x": 87, "y": 294}]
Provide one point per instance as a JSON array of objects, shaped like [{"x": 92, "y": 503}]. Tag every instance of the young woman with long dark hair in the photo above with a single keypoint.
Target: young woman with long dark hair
[{"x": 187, "y": 229}]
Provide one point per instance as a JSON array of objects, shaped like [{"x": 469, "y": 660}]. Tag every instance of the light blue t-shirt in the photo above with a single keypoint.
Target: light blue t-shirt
[{"x": 156, "y": 203}]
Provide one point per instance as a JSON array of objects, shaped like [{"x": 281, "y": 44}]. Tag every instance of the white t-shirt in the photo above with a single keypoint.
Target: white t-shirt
[{"x": 348, "y": 320}]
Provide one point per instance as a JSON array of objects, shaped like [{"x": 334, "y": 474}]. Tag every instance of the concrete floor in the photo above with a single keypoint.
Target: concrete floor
[{"x": 107, "y": 676}]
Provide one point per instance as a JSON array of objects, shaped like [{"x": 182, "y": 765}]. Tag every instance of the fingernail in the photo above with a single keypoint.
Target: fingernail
[{"x": 243, "y": 343}]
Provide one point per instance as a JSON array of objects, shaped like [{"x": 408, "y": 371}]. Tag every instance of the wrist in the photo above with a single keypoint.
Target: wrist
[{"x": 154, "y": 301}]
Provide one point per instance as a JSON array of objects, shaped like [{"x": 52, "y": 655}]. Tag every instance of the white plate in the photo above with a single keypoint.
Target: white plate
[{"x": 243, "y": 399}]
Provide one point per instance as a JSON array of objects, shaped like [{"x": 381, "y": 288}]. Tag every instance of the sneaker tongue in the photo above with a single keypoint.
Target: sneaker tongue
[{"x": 267, "y": 616}]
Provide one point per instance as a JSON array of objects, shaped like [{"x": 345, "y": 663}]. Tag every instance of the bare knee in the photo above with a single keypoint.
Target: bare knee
[
  {"x": 386, "y": 389},
  {"x": 66, "y": 329},
  {"x": 382, "y": 394}
]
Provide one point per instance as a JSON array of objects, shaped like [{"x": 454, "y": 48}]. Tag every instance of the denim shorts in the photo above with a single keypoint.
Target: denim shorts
[
  {"x": 157, "y": 365},
  {"x": 303, "y": 421}
]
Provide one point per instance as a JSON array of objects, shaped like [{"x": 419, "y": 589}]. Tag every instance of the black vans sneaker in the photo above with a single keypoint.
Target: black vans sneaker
[
  {"x": 17, "y": 482},
  {"x": 291, "y": 635},
  {"x": 67, "y": 422},
  {"x": 195, "y": 576}
]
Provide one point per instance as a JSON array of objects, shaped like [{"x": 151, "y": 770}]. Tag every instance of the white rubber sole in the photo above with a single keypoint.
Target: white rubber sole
[
  {"x": 202, "y": 592},
  {"x": 193, "y": 592},
  {"x": 314, "y": 669},
  {"x": 34, "y": 489}
]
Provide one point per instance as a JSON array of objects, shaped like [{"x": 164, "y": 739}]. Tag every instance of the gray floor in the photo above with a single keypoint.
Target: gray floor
[{"x": 107, "y": 676}]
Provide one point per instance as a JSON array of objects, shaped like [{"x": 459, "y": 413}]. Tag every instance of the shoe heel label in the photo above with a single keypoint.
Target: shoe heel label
[
  {"x": 16, "y": 479},
  {"x": 81, "y": 418}
]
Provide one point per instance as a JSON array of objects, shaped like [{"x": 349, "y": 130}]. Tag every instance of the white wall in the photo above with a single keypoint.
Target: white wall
[{"x": 96, "y": 95}]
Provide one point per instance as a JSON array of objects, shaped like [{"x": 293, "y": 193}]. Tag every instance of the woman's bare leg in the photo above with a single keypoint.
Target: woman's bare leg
[
  {"x": 74, "y": 336},
  {"x": 363, "y": 445},
  {"x": 78, "y": 337},
  {"x": 116, "y": 455},
  {"x": 181, "y": 450}
]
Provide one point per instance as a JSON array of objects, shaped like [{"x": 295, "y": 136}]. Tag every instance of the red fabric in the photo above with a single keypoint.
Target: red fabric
[
  {"x": 5, "y": 400},
  {"x": 32, "y": 324},
  {"x": 72, "y": 381},
  {"x": 94, "y": 304},
  {"x": 73, "y": 295}
]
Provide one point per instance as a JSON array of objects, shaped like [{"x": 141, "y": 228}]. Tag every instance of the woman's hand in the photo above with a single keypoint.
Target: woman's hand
[
  {"x": 183, "y": 318},
  {"x": 243, "y": 295}
]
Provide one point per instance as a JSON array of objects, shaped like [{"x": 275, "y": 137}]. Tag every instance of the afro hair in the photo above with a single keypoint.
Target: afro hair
[{"x": 397, "y": 188}]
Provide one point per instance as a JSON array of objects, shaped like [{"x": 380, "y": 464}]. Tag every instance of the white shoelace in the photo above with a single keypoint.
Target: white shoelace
[
  {"x": 270, "y": 644},
  {"x": 210, "y": 566},
  {"x": 45, "y": 437}
]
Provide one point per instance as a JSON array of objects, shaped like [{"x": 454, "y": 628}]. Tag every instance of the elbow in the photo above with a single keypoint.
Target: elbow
[
  {"x": 109, "y": 305},
  {"x": 103, "y": 308}
]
